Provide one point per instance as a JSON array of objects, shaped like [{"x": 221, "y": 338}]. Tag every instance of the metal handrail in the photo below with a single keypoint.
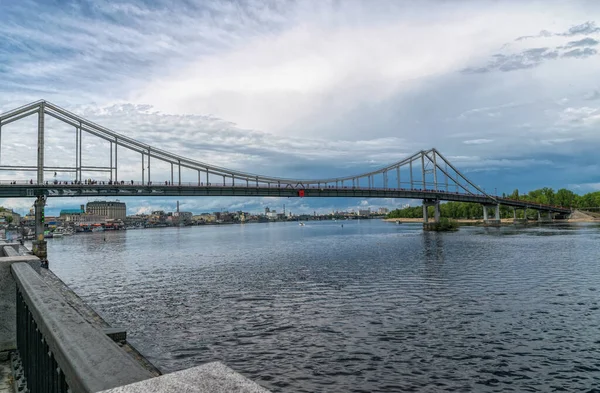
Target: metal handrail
[{"x": 59, "y": 349}]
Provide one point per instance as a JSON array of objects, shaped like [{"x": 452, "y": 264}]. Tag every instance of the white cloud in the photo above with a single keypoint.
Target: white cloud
[
  {"x": 556, "y": 141},
  {"x": 308, "y": 88},
  {"x": 478, "y": 141},
  {"x": 585, "y": 187}
]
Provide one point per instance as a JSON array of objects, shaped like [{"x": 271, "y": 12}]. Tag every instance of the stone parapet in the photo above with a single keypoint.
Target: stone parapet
[
  {"x": 8, "y": 310},
  {"x": 209, "y": 378}
]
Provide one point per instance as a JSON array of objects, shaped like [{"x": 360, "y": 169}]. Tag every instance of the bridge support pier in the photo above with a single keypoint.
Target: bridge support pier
[
  {"x": 39, "y": 244},
  {"x": 427, "y": 225},
  {"x": 426, "y": 204},
  {"x": 496, "y": 220},
  {"x": 515, "y": 219},
  {"x": 548, "y": 217}
]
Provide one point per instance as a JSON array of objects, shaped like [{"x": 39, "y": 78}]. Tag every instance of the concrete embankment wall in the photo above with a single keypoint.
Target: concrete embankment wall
[{"x": 11, "y": 253}]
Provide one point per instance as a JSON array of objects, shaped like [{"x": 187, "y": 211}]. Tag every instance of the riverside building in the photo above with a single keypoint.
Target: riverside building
[{"x": 112, "y": 210}]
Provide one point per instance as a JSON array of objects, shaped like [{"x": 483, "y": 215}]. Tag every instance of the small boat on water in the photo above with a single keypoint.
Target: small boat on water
[
  {"x": 301, "y": 224},
  {"x": 61, "y": 231}
]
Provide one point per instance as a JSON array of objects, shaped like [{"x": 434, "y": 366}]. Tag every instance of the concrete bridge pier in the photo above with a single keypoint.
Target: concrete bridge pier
[
  {"x": 517, "y": 220},
  {"x": 436, "y": 216},
  {"x": 39, "y": 244},
  {"x": 547, "y": 218},
  {"x": 496, "y": 220},
  {"x": 426, "y": 204}
]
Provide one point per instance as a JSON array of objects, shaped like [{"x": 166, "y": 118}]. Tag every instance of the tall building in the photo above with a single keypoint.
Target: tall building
[
  {"x": 364, "y": 212},
  {"x": 111, "y": 210}
]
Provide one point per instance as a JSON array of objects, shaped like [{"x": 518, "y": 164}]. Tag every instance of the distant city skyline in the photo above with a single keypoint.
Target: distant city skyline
[
  {"x": 507, "y": 91},
  {"x": 52, "y": 210}
]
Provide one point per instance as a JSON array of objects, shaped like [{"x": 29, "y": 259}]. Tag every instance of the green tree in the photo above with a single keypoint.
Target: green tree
[{"x": 564, "y": 197}]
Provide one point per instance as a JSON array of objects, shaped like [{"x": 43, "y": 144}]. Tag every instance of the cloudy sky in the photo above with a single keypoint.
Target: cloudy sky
[{"x": 508, "y": 91}]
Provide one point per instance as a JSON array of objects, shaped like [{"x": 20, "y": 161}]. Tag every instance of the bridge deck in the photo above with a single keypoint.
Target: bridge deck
[{"x": 65, "y": 189}]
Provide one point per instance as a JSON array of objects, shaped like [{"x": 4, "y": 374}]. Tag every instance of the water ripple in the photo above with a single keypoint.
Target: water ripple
[{"x": 374, "y": 307}]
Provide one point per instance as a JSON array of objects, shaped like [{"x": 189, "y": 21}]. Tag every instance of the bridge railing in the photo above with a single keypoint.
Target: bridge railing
[
  {"x": 238, "y": 184},
  {"x": 534, "y": 204},
  {"x": 60, "y": 351}
]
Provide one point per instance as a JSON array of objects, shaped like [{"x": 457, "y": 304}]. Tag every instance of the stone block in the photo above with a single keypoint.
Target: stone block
[
  {"x": 209, "y": 378},
  {"x": 118, "y": 335}
]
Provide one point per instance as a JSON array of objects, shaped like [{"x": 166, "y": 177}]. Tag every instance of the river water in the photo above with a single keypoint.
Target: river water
[{"x": 367, "y": 307}]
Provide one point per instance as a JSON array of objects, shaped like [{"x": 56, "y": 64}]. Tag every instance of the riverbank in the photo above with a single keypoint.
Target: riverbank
[
  {"x": 580, "y": 216},
  {"x": 459, "y": 220},
  {"x": 576, "y": 216}
]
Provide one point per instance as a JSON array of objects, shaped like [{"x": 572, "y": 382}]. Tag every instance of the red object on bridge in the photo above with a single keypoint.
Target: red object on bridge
[{"x": 301, "y": 193}]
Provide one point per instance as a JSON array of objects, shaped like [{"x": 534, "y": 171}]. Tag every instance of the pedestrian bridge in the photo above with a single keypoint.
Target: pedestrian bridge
[{"x": 425, "y": 175}]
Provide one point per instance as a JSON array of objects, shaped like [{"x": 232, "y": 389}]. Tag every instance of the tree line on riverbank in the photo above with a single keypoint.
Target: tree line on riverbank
[{"x": 466, "y": 210}]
